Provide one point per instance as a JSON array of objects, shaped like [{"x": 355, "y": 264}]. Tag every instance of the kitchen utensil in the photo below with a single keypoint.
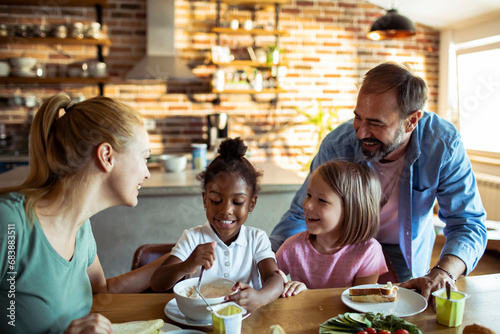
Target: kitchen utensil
[
  {"x": 448, "y": 290},
  {"x": 199, "y": 294},
  {"x": 199, "y": 281},
  {"x": 217, "y": 128}
]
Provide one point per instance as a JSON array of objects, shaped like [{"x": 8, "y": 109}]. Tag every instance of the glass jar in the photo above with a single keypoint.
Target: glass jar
[
  {"x": 60, "y": 31},
  {"x": 77, "y": 30},
  {"x": 94, "y": 30},
  {"x": 4, "y": 30},
  {"x": 40, "y": 30},
  {"x": 21, "y": 30}
]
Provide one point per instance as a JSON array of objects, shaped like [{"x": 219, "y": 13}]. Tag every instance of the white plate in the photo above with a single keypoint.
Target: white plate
[
  {"x": 172, "y": 311},
  {"x": 408, "y": 303},
  {"x": 187, "y": 331},
  {"x": 168, "y": 328}
]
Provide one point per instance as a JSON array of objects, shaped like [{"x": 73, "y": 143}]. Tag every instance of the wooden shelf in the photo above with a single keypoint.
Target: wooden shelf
[
  {"x": 53, "y": 40},
  {"x": 66, "y": 3},
  {"x": 250, "y": 91},
  {"x": 262, "y": 3},
  {"x": 255, "y": 32},
  {"x": 53, "y": 80},
  {"x": 252, "y": 2},
  {"x": 248, "y": 63}
]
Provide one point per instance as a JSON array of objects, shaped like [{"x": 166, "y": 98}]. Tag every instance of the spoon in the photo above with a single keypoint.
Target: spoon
[
  {"x": 209, "y": 306},
  {"x": 199, "y": 280},
  {"x": 448, "y": 290}
]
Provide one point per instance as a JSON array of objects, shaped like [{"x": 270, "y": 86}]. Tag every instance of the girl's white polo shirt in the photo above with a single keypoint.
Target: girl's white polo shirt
[{"x": 237, "y": 261}]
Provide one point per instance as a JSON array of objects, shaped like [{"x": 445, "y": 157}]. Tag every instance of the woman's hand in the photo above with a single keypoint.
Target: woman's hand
[
  {"x": 91, "y": 324},
  {"x": 293, "y": 288},
  {"x": 247, "y": 297}
]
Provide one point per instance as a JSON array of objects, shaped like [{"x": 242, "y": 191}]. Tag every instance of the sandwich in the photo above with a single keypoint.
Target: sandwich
[
  {"x": 387, "y": 293},
  {"x": 139, "y": 327}
]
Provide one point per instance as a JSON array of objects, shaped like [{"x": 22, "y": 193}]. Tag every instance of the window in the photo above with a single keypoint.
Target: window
[{"x": 478, "y": 79}]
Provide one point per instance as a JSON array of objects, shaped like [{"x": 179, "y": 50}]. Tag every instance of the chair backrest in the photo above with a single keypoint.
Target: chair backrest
[
  {"x": 391, "y": 275},
  {"x": 148, "y": 253}
]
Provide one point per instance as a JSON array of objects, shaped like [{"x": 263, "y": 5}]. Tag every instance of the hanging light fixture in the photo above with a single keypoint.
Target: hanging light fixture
[{"x": 391, "y": 25}]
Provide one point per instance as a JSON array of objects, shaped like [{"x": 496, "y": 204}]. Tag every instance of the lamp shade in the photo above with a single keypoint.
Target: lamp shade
[{"x": 391, "y": 25}]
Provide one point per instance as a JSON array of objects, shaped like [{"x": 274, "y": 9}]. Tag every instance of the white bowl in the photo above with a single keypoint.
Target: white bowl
[
  {"x": 194, "y": 307},
  {"x": 23, "y": 63},
  {"x": 97, "y": 69},
  {"x": 173, "y": 162}
]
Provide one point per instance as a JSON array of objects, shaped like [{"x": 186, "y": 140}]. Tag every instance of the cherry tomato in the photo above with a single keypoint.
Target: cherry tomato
[
  {"x": 401, "y": 331},
  {"x": 383, "y": 331},
  {"x": 370, "y": 330},
  {"x": 362, "y": 332}
]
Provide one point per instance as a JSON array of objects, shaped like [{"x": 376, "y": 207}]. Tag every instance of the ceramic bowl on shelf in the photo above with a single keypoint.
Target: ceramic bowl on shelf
[
  {"x": 23, "y": 64},
  {"x": 97, "y": 69}
]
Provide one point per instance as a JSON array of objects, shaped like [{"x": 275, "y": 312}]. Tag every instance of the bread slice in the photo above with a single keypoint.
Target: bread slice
[
  {"x": 374, "y": 298},
  {"x": 139, "y": 327},
  {"x": 387, "y": 293}
]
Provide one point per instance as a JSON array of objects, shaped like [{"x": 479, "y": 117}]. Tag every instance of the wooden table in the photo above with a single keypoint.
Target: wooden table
[{"x": 304, "y": 313}]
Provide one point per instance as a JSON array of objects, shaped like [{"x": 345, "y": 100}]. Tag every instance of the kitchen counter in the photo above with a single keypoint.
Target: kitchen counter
[
  {"x": 168, "y": 204},
  {"x": 275, "y": 179}
]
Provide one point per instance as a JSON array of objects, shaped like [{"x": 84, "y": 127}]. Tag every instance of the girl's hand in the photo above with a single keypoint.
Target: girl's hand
[
  {"x": 247, "y": 297},
  {"x": 90, "y": 324},
  {"x": 293, "y": 288},
  {"x": 203, "y": 255}
]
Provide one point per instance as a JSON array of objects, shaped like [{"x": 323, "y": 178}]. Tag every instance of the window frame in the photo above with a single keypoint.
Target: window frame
[{"x": 484, "y": 44}]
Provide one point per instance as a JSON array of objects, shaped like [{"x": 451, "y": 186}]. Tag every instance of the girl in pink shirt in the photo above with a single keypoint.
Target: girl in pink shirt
[{"x": 341, "y": 209}]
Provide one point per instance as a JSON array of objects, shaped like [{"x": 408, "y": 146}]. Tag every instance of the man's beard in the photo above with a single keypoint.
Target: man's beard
[{"x": 384, "y": 150}]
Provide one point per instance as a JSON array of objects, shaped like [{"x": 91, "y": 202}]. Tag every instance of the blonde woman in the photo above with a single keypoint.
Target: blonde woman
[
  {"x": 338, "y": 249},
  {"x": 84, "y": 158}
]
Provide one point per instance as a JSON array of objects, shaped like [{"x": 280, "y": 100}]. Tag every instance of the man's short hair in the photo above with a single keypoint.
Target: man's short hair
[{"x": 411, "y": 90}]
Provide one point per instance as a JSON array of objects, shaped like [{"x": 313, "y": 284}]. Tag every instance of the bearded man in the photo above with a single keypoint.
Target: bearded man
[{"x": 419, "y": 158}]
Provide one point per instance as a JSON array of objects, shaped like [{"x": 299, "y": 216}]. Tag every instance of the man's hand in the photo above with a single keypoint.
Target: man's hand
[
  {"x": 437, "y": 277},
  {"x": 426, "y": 285}
]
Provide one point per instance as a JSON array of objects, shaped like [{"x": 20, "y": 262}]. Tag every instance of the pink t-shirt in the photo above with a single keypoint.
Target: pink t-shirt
[{"x": 304, "y": 263}]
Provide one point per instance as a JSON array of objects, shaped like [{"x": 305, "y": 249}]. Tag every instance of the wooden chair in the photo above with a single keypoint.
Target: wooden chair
[
  {"x": 148, "y": 253},
  {"x": 391, "y": 275}
]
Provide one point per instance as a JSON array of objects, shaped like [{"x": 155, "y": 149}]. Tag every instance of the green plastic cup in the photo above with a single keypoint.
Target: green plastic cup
[
  {"x": 449, "y": 312},
  {"x": 228, "y": 318}
]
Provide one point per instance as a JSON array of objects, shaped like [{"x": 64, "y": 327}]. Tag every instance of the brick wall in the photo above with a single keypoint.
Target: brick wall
[{"x": 326, "y": 50}]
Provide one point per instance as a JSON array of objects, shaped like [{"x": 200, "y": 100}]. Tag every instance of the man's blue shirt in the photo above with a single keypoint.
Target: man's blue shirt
[{"x": 436, "y": 167}]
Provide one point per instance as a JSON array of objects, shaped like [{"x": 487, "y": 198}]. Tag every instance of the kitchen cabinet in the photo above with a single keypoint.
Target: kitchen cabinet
[
  {"x": 270, "y": 83},
  {"x": 99, "y": 43}
]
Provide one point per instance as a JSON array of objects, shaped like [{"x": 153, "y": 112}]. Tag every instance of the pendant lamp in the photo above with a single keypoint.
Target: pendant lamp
[{"x": 391, "y": 25}]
